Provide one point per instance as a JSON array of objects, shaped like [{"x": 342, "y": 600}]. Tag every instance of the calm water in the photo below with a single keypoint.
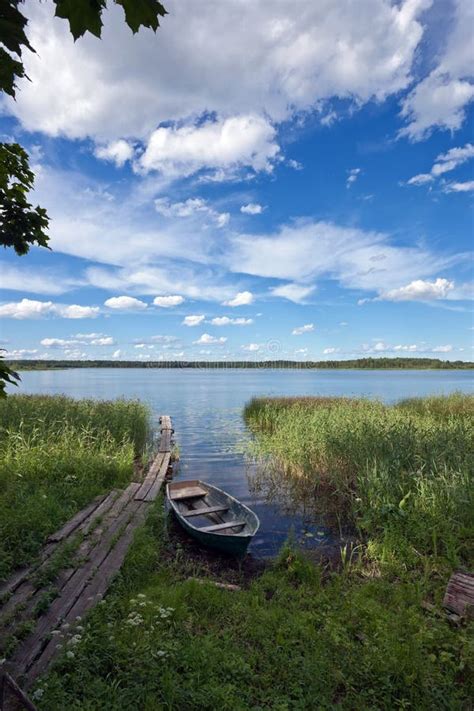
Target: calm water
[{"x": 206, "y": 408}]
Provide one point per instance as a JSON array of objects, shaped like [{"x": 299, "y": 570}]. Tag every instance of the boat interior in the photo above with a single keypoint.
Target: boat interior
[{"x": 210, "y": 510}]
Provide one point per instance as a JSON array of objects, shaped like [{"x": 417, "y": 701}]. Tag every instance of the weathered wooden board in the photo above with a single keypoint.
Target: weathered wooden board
[
  {"x": 165, "y": 422},
  {"x": 27, "y": 653},
  {"x": 156, "y": 486},
  {"x": 189, "y": 492},
  {"x": 76, "y": 520},
  {"x": 459, "y": 595},
  {"x": 223, "y": 526},
  {"x": 165, "y": 441},
  {"x": 205, "y": 510},
  {"x": 108, "y": 525},
  {"x": 153, "y": 472},
  {"x": 92, "y": 593}
]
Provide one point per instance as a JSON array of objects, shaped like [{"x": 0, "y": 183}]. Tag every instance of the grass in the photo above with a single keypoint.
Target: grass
[
  {"x": 299, "y": 636},
  {"x": 293, "y": 638},
  {"x": 403, "y": 473},
  {"x": 56, "y": 455}
]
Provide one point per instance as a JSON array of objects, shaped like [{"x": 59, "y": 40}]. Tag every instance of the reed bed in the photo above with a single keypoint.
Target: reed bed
[
  {"x": 56, "y": 455},
  {"x": 402, "y": 473}
]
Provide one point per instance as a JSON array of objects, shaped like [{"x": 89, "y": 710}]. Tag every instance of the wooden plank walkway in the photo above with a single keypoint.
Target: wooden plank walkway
[{"x": 98, "y": 538}]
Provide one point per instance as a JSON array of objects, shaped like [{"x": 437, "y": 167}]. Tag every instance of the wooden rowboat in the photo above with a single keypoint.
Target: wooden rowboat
[{"x": 211, "y": 516}]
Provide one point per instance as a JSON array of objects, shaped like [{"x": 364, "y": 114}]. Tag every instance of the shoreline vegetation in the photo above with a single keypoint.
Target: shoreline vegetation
[
  {"x": 56, "y": 455},
  {"x": 358, "y": 363},
  {"x": 368, "y": 633}
]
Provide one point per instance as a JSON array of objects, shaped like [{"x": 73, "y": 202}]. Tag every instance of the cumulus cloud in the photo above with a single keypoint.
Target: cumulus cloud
[
  {"x": 226, "y": 321},
  {"x": 330, "y": 351},
  {"x": 117, "y": 353},
  {"x": 252, "y": 347},
  {"x": 285, "y": 62},
  {"x": 189, "y": 208},
  {"x": 125, "y": 303},
  {"x": 307, "y": 328},
  {"x": 440, "y": 100},
  {"x": 118, "y": 152},
  {"x": 243, "y": 298},
  {"x": 419, "y": 290},
  {"x": 193, "y": 320},
  {"x": 78, "y": 340},
  {"x": 31, "y": 309},
  {"x": 252, "y": 208},
  {"x": 167, "y": 302},
  {"x": 221, "y": 144},
  {"x": 208, "y": 340}
]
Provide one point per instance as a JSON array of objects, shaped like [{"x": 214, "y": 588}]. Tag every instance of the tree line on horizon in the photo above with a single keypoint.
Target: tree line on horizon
[{"x": 359, "y": 363}]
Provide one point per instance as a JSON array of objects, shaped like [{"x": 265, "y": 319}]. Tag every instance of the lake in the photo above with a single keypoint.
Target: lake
[{"x": 206, "y": 408}]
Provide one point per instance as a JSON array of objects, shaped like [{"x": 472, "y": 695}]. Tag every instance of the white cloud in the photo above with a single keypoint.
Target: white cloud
[
  {"x": 419, "y": 290},
  {"x": 285, "y": 61},
  {"x": 117, "y": 353},
  {"x": 166, "y": 302},
  {"x": 444, "y": 163},
  {"x": 47, "y": 282},
  {"x": 31, "y": 309},
  {"x": 252, "y": 208},
  {"x": 466, "y": 187},
  {"x": 76, "y": 311},
  {"x": 440, "y": 100},
  {"x": 443, "y": 349},
  {"x": 221, "y": 144},
  {"x": 21, "y": 353},
  {"x": 226, "y": 321},
  {"x": 307, "y": 328},
  {"x": 164, "y": 339},
  {"x": 352, "y": 176},
  {"x": 293, "y": 292},
  {"x": 118, "y": 152},
  {"x": 125, "y": 303},
  {"x": 75, "y": 341},
  {"x": 329, "y": 351},
  {"x": 190, "y": 208},
  {"x": 193, "y": 320},
  {"x": 207, "y": 340},
  {"x": 305, "y": 251},
  {"x": 243, "y": 298},
  {"x": 252, "y": 347},
  {"x": 295, "y": 164}
]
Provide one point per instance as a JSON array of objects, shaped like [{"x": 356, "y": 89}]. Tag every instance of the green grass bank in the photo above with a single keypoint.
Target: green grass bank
[
  {"x": 56, "y": 455},
  {"x": 299, "y": 636}
]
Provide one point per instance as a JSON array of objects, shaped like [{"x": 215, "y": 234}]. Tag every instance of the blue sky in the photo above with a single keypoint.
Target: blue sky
[{"x": 257, "y": 180}]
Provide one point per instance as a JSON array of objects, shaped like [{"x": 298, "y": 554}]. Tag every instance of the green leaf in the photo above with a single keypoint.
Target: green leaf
[
  {"x": 83, "y": 15},
  {"x": 10, "y": 70},
  {"x": 21, "y": 224},
  {"x": 142, "y": 13},
  {"x": 7, "y": 376}
]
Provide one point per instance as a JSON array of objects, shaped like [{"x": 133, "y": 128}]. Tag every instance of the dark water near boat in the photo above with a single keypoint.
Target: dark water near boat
[{"x": 206, "y": 408}]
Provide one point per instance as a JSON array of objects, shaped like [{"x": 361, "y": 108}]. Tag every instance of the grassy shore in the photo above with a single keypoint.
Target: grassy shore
[
  {"x": 56, "y": 455},
  {"x": 402, "y": 473},
  {"x": 299, "y": 636}
]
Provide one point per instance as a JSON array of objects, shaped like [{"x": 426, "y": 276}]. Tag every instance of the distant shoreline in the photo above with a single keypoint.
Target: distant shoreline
[{"x": 356, "y": 364}]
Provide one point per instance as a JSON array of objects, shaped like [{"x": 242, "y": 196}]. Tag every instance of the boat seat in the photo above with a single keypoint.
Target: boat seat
[
  {"x": 223, "y": 526},
  {"x": 205, "y": 510},
  {"x": 190, "y": 492}
]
